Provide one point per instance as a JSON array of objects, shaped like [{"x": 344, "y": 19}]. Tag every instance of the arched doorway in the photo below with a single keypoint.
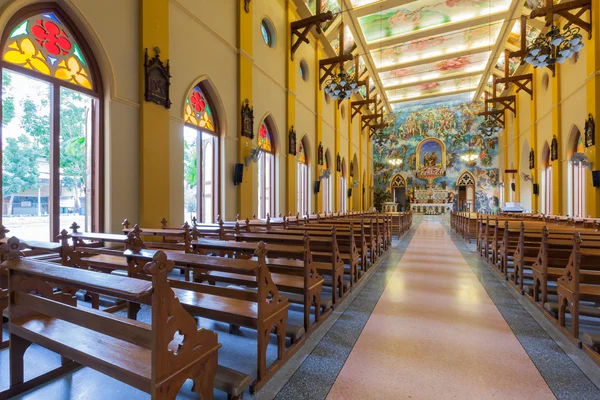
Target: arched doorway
[
  {"x": 466, "y": 191},
  {"x": 398, "y": 189}
]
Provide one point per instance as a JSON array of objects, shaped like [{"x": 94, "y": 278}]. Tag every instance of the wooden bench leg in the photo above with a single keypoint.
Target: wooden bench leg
[
  {"x": 18, "y": 347},
  {"x": 203, "y": 375},
  {"x": 132, "y": 310}
]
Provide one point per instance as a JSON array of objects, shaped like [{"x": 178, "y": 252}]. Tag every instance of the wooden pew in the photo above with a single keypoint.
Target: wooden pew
[
  {"x": 363, "y": 242},
  {"x": 574, "y": 286},
  {"x": 142, "y": 355},
  {"x": 293, "y": 277},
  {"x": 263, "y": 310},
  {"x": 325, "y": 248}
]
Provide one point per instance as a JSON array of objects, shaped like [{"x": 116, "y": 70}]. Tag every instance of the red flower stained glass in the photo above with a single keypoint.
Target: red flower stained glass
[
  {"x": 198, "y": 102},
  {"x": 262, "y": 131},
  {"x": 51, "y": 37}
]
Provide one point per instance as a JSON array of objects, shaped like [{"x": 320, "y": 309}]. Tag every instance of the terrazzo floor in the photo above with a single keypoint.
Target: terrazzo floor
[
  {"x": 430, "y": 321},
  {"x": 435, "y": 333}
]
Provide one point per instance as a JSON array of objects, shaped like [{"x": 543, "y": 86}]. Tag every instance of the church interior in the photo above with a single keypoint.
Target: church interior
[{"x": 299, "y": 199}]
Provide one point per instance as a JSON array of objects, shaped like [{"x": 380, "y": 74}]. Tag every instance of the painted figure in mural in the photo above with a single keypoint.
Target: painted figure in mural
[{"x": 432, "y": 160}]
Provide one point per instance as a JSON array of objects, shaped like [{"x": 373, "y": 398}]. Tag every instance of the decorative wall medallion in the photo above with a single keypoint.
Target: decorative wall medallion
[
  {"x": 247, "y": 120},
  {"x": 320, "y": 154},
  {"x": 292, "y": 141},
  {"x": 338, "y": 163},
  {"x": 590, "y": 128},
  {"x": 157, "y": 79},
  {"x": 554, "y": 149}
]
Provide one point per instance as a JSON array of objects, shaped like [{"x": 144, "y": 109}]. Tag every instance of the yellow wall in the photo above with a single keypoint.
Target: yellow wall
[
  {"x": 560, "y": 104},
  {"x": 206, "y": 41}
]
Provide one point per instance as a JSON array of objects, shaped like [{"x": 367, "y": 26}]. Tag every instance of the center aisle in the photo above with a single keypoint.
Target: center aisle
[{"x": 435, "y": 333}]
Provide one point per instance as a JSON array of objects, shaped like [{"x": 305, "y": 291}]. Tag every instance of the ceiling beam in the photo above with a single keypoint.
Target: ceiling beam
[
  {"x": 514, "y": 13},
  {"x": 378, "y": 6},
  {"x": 360, "y": 41},
  {"x": 440, "y": 30},
  {"x": 441, "y": 57},
  {"x": 438, "y": 79},
  {"x": 429, "y": 96}
]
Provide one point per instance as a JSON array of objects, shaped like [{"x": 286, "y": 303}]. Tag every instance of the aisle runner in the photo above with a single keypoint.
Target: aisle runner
[{"x": 435, "y": 333}]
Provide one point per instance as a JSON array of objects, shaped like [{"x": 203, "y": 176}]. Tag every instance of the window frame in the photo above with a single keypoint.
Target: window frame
[
  {"x": 96, "y": 94},
  {"x": 200, "y": 154},
  {"x": 262, "y": 163}
]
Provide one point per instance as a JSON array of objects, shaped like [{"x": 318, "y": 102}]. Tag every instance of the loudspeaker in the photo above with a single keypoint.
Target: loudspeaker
[
  {"x": 536, "y": 189},
  {"x": 238, "y": 174},
  {"x": 350, "y": 192},
  {"x": 596, "y": 178},
  {"x": 512, "y": 186},
  {"x": 317, "y": 187}
]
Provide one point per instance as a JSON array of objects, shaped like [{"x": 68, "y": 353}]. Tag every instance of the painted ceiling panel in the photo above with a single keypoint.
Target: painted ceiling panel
[
  {"x": 360, "y": 3},
  {"x": 425, "y": 14},
  {"x": 440, "y": 69},
  {"x": 482, "y": 36},
  {"x": 349, "y": 42},
  {"x": 434, "y": 88}
]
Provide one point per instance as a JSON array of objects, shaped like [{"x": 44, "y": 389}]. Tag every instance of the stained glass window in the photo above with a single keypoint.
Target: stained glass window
[
  {"x": 197, "y": 110},
  {"x": 266, "y": 33},
  {"x": 580, "y": 146},
  {"x": 43, "y": 44},
  {"x": 265, "y": 141},
  {"x": 301, "y": 154}
]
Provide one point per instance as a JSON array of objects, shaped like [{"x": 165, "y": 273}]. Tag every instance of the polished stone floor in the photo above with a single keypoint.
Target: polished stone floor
[{"x": 431, "y": 321}]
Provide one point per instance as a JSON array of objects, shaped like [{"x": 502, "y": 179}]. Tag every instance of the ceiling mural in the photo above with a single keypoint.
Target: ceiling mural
[
  {"x": 425, "y": 14},
  {"x": 439, "y": 69},
  {"x": 349, "y": 42},
  {"x": 431, "y": 88},
  {"x": 423, "y": 49},
  {"x": 326, "y": 5},
  {"x": 482, "y": 36}
]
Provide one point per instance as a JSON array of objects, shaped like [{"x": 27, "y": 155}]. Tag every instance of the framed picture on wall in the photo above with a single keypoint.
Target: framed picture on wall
[
  {"x": 590, "y": 128},
  {"x": 531, "y": 159},
  {"x": 247, "y": 120}
]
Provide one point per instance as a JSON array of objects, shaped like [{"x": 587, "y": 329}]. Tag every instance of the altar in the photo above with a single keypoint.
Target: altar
[
  {"x": 390, "y": 207},
  {"x": 431, "y": 208}
]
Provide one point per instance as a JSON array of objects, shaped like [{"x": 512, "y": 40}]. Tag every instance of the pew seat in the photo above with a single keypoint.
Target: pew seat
[{"x": 109, "y": 355}]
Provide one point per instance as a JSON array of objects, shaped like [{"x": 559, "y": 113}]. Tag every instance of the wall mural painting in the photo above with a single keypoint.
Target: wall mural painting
[{"x": 434, "y": 134}]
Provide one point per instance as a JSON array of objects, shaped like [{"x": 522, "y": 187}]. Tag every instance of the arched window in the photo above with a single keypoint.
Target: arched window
[
  {"x": 302, "y": 181},
  {"x": 266, "y": 171},
  {"x": 51, "y": 136},
  {"x": 343, "y": 188},
  {"x": 326, "y": 186},
  {"x": 546, "y": 180},
  {"x": 201, "y": 157},
  {"x": 576, "y": 174}
]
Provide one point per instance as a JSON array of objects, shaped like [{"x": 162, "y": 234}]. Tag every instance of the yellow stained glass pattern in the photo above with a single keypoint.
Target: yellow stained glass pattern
[
  {"x": 301, "y": 154},
  {"x": 26, "y": 55},
  {"x": 71, "y": 71},
  {"x": 42, "y": 43},
  {"x": 264, "y": 138}
]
